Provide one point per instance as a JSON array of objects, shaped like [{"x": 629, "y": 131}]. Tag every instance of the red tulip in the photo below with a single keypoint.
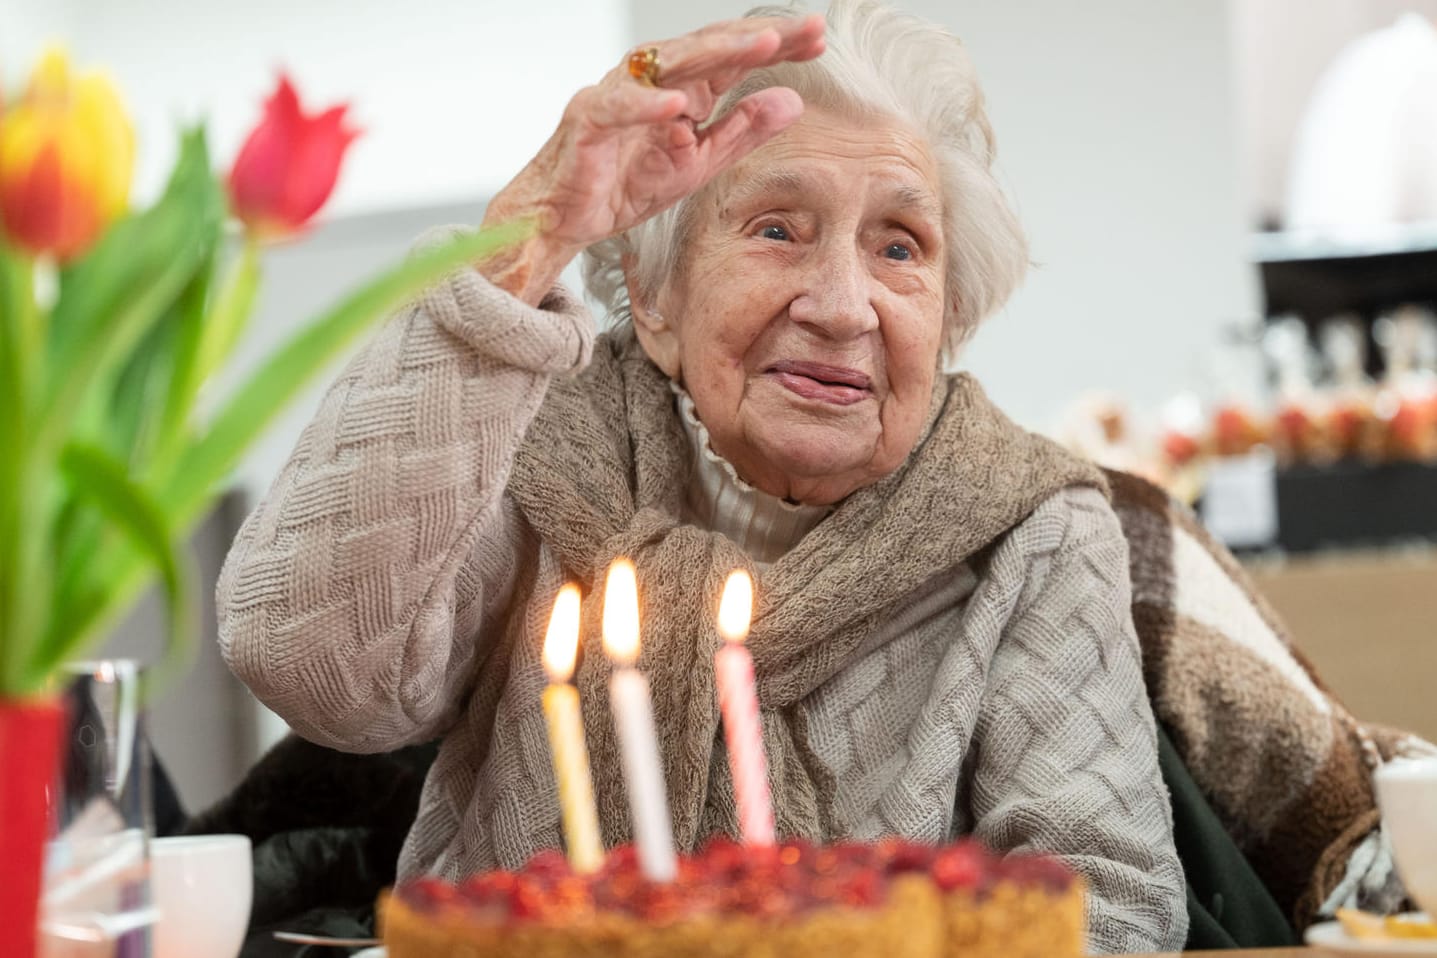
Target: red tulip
[{"x": 288, "y": 166}]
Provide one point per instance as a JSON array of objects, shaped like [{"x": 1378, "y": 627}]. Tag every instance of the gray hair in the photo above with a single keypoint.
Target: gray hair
[{"x": 877, "y": 62}]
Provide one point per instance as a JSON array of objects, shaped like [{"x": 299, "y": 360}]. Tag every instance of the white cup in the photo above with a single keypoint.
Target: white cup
[
  {"x": 1407, "y": 796},
  {"x": 203, "y": 886}
]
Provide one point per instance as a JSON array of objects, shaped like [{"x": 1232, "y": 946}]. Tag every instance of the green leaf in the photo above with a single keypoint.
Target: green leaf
[
  {"x": 76, "y": 536},
  {"x": 205, "y": 464},
  {"x": 135, "y": 249},
  {"x": 135, "y": 396},
  {"x": 101, "y": 480},
  {"x": 206, "y": 340},
  {"x": 112, "y": 297},
  {"x": 148, "y": 399}
]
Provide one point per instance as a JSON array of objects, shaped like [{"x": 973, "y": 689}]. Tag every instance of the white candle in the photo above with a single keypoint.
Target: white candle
[
  {"x": 733, "y": 674},
  {"x": 634, "y": 721}
]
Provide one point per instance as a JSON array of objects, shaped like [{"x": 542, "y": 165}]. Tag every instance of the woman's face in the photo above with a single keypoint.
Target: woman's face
[{"x": 806, "y": 317}]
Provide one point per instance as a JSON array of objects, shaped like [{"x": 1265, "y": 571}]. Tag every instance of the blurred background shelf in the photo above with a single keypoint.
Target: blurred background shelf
[
  {"x": 1366, "y": 285},
  {"x": 1392, "y": 239},
  {"x": 1354, "y": 504}
]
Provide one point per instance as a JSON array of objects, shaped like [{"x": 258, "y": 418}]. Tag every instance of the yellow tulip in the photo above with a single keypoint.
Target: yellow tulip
[{"x": 67, "y": 152}]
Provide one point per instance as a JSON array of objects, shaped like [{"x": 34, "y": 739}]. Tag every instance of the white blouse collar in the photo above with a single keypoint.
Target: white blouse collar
[{"x": 718, "y": 499}]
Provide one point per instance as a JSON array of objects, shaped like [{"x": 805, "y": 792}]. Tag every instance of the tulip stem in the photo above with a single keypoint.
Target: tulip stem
[
  {"x": 22, "y": 519},
  {"x": 231, "y": 310}
]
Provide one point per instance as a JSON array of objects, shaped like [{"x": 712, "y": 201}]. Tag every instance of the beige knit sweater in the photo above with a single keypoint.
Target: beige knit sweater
[{"x": 1007, "y": 702}]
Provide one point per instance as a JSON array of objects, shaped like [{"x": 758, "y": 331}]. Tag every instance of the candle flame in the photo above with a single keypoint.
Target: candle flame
[
  {"x": 736, "y": 606},
  {"x": 621, "y": 613},
  {"x": 561, "y": 642}
]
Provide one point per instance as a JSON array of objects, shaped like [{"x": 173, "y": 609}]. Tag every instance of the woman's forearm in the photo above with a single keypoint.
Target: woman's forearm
[{"x": 352, "y": 598}]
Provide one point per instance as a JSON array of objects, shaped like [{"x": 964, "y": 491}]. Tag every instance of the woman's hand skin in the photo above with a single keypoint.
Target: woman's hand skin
[{"x": 625, "y": 151}]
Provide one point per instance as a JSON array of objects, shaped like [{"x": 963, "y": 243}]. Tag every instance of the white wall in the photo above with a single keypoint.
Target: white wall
[
  {"x": 1116, "y": 138},
  {"x": 25, "y": 26},
  {"x": 453, "y": 95}
]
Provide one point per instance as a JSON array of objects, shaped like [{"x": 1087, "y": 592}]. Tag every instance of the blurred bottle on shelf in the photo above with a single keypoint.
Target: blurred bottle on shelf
[
  {"x": 1349, "y": 409},
  {"x": 1297, "y": 425},
  {"x": 1238, "y": 423},
  {"x": 1182, "y": 437},
  {"x": 1404, "y": 426}
]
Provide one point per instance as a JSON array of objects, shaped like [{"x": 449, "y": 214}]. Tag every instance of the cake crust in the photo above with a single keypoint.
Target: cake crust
[{"x": 895, "y": 899}]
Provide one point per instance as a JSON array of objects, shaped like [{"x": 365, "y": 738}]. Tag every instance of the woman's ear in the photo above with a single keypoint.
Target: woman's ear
[{"x": 657, "y": 334}]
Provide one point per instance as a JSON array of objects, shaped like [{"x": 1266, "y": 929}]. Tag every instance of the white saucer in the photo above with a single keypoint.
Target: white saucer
[
  {"x": 1329, "y": 935},
  {"x": 377, "y": 951}
]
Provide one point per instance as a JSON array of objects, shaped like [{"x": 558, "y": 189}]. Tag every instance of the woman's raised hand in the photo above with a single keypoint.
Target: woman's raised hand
[{"x": 625, "y": 151}]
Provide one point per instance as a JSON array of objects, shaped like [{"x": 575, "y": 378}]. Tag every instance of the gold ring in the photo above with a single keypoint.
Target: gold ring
[{"x": 644, "y": 66}]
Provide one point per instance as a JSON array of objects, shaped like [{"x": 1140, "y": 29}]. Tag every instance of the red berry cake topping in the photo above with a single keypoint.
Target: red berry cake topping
[{"x": 726, "y": 878}]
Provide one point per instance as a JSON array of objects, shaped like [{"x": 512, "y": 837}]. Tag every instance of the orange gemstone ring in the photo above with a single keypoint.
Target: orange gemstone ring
[{"x": 644, "y": 66}]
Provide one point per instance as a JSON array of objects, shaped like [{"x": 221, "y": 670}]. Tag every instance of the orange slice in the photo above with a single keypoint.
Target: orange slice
[
  {"x": 1409, "y": 926},
  {"x": 1360, "y": 924},
  {"x": 1369, "y": 927}
]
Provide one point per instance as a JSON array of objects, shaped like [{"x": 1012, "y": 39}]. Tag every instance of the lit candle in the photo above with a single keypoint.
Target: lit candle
[
  {"x": 634, "y": 721},
  {"x": 733, "y": 671},
  {"x": 566, "y": 735}
]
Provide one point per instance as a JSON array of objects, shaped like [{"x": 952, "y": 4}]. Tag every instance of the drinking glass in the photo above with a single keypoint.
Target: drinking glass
[{"x": 97, "y": 901}]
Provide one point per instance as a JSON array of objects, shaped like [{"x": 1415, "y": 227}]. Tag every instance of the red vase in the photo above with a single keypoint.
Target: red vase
[{"x": 30, "y": 731}]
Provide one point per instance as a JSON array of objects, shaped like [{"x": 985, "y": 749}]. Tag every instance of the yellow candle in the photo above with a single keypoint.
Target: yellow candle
[{"x": 566, "y": 736}]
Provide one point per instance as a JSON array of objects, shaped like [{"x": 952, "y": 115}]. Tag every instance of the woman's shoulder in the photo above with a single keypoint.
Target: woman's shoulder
[
  {"x": 1073, "y": 539},
  {"x": 1072, "y": 516},
  {"x": 1076, "y": 505}
]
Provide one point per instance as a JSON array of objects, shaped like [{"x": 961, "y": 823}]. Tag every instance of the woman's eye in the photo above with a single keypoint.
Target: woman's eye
[
  {"x": 774, "y": 232},
  {"x": 899, "y": 251}
]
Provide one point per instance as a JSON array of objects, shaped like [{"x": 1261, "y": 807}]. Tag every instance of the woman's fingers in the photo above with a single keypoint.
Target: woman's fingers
[
  {"x": 624, "y": 149},
  {"x": 752, "y": 122},
  {"x": 724, "y": 50},
  {"x": 695, "y": 69},
  {"x": 800, "y": 38},
  {"x": 620, "y": 104},
  {"x": 804, "y": 41}
]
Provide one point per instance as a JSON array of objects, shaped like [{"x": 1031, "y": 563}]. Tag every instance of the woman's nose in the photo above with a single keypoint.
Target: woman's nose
[{"x": 837, "y": 296}]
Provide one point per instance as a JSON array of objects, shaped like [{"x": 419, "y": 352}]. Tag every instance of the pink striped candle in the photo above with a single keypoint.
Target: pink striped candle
[{"x": 733, "y": 671}]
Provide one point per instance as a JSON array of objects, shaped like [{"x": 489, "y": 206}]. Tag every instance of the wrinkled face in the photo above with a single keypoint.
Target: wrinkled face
[{"x": 807, "y": 315}]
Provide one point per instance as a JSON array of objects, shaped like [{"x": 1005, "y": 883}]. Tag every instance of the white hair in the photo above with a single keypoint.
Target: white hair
[{"x": 877, "y": 62}]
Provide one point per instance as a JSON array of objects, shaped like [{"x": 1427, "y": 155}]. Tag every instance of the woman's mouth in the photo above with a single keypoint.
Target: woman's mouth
[{"x": 836, "y": 385}]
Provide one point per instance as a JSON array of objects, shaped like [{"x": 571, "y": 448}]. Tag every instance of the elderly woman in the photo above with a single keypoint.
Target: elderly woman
[{"x": 794, "y": 224}]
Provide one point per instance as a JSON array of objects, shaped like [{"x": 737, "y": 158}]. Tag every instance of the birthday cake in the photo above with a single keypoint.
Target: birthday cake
[{"x": 894, "y": 898}]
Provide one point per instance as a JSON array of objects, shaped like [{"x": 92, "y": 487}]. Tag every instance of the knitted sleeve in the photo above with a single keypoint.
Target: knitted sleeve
[
  {"x": 356, "y": 599},
  {"x": 1065, "y": 755}
]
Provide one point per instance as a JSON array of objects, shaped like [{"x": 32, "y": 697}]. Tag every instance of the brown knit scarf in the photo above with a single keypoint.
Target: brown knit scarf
[{"x": 602, "y": 474}]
